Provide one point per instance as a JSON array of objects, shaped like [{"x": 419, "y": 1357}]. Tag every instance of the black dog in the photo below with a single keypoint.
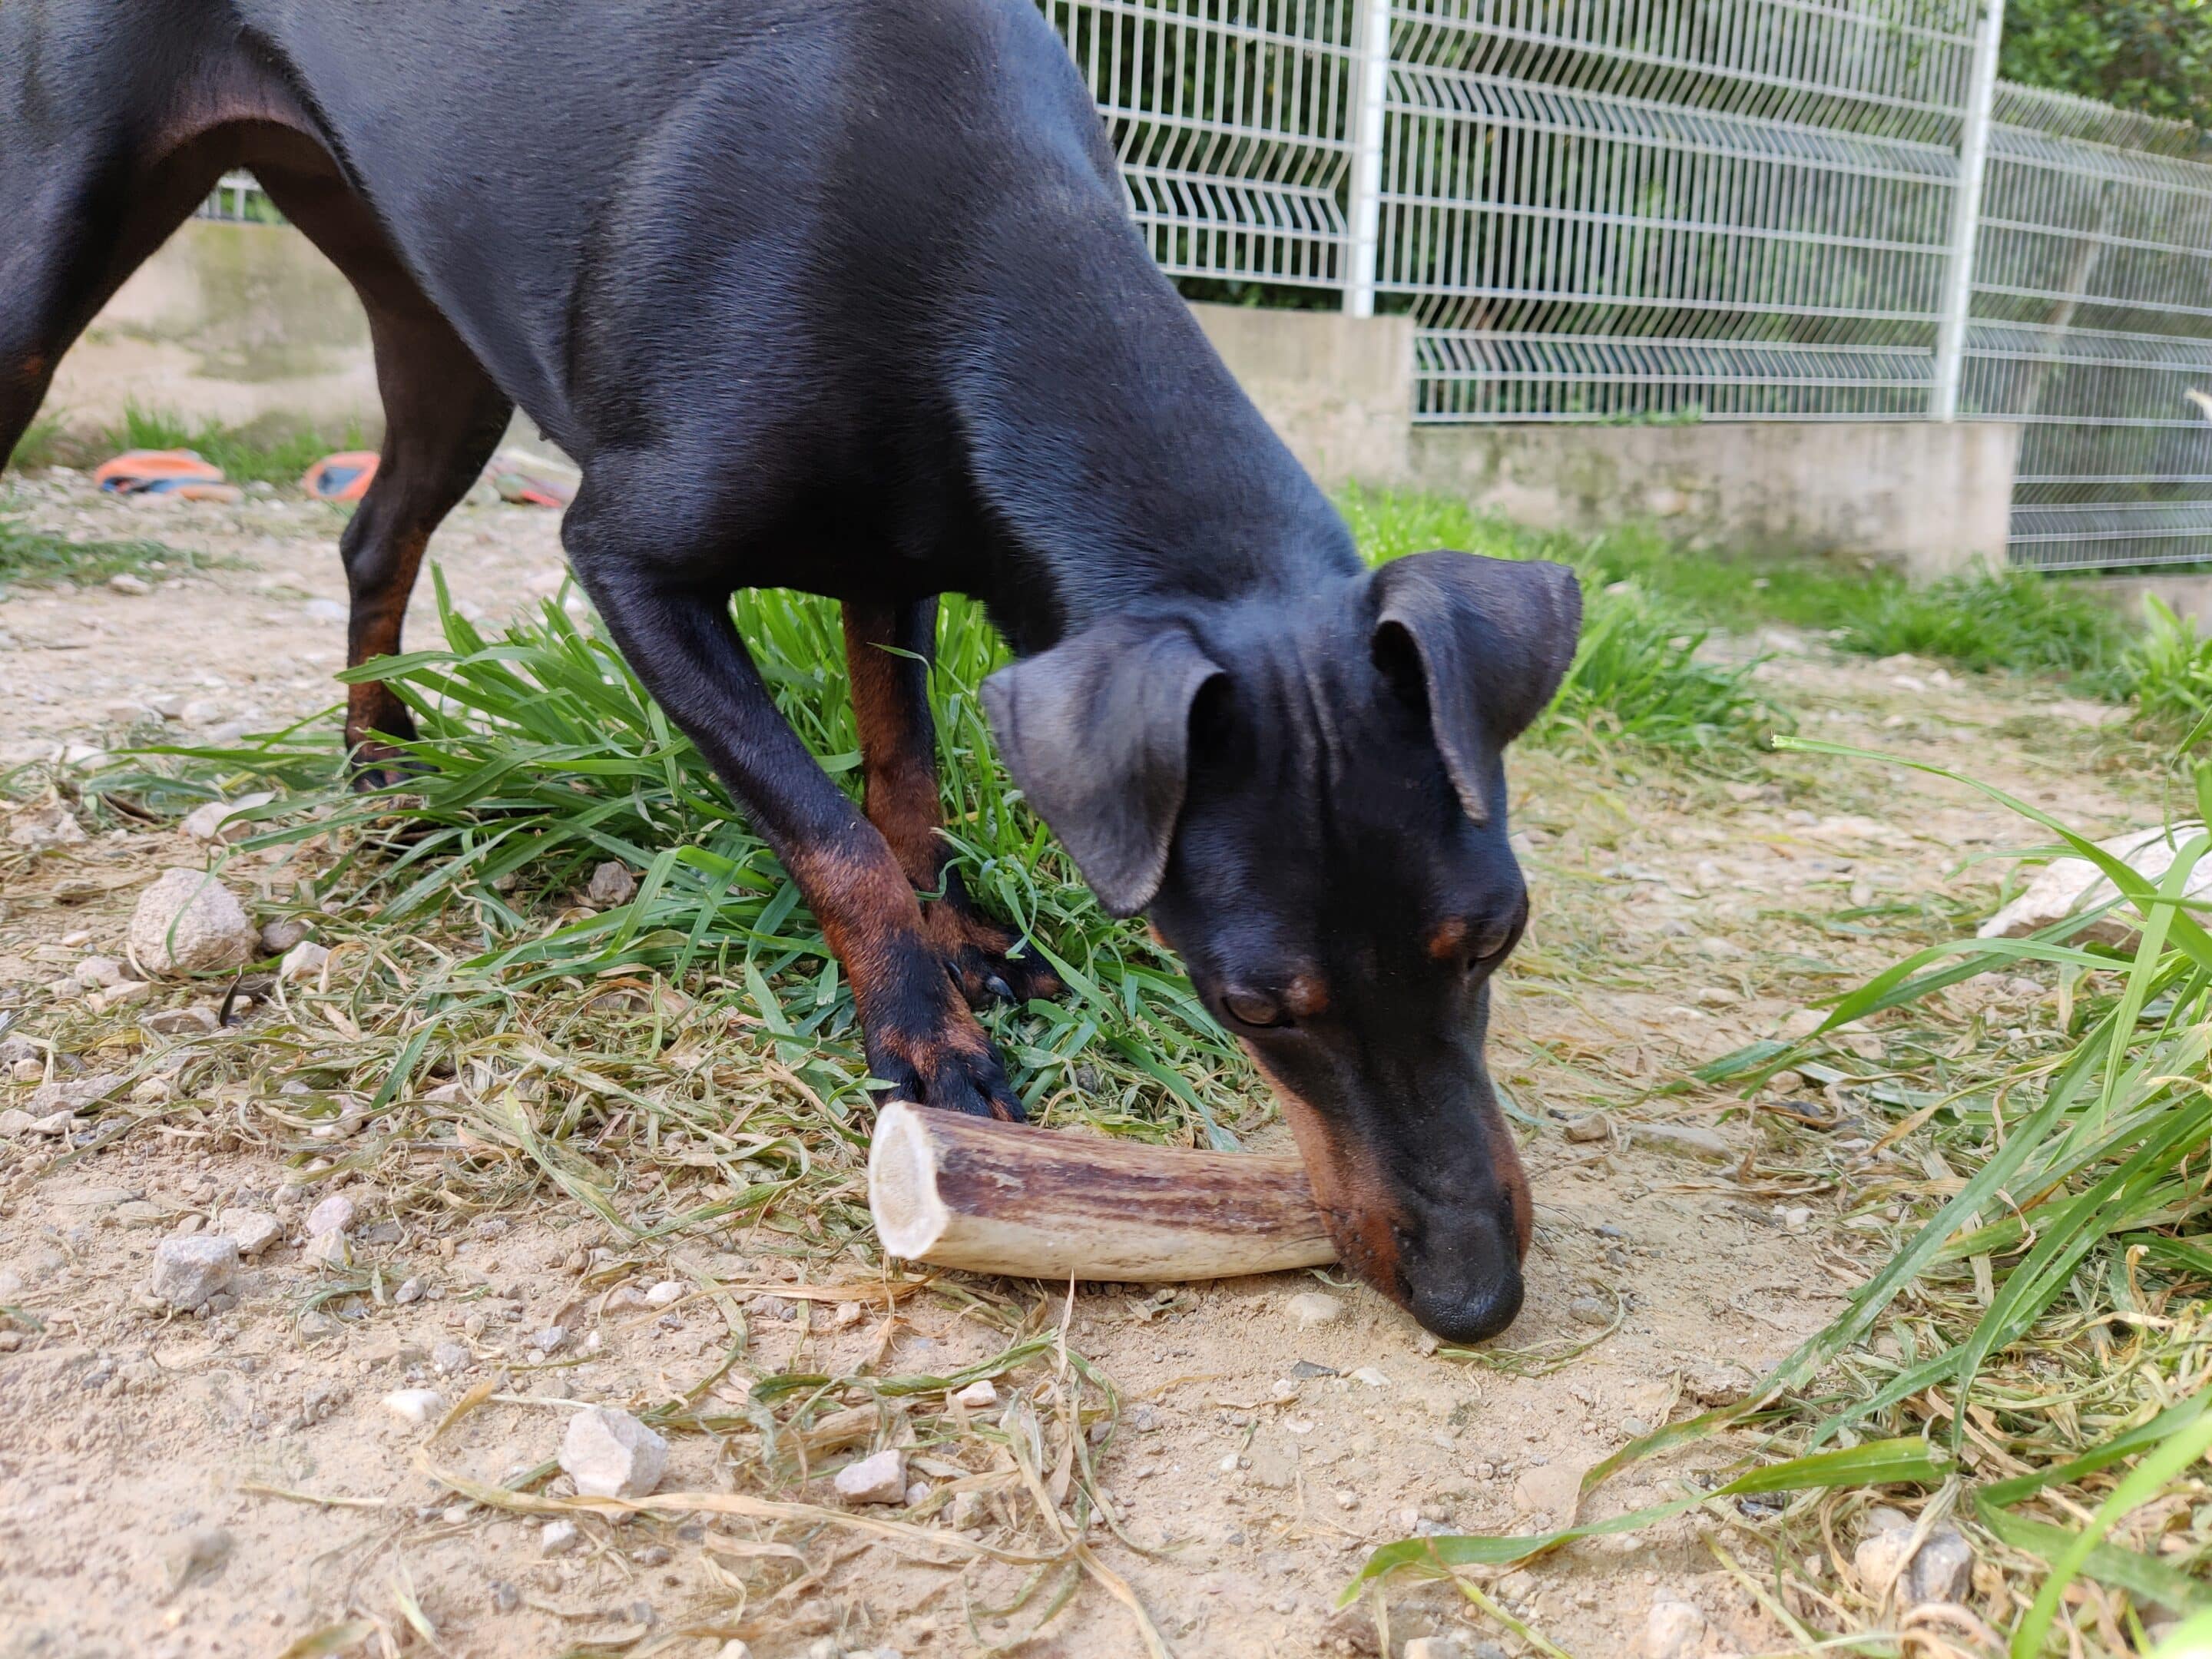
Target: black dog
[{"x": 840, "y": 295}]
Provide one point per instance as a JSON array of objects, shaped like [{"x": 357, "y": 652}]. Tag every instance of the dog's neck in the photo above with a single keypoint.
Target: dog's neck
[{"x": 1124, "y": 469}]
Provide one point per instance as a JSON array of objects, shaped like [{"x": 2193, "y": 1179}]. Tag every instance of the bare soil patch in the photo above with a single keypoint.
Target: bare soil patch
[{"x": 172, "y": 1484}]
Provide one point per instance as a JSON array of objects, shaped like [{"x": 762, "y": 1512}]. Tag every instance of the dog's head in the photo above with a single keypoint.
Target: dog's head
[{"x": 1309, "y": 799}]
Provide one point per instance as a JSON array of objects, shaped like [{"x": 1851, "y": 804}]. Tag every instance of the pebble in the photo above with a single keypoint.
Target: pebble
[
  {"x": 1312, "y": 1308},
  {"x": 303, "y": 961},
  {"x": 979, "y": 1395},
  {"x": 1680, "y": 1140},
  {"x": 329, "y": 1249},
  {"x": 255, "y": 1231},
  {"x": 551, "y": 1339},
  {"x": 1796, "y": 1218},
  {"x": 188, "y": 1271},
  {"x": 73, "y": 1096},
  {"x": 123, "y": 582},
  {"x": 94, "y": 972},
  {"x": 409, "y": 1290},
  {"x": 450, "y": 1356},
  {"x": 1674, "y": 1630},
  {"x": 1716, "y": 1384},
  {"x": 878, "y": 1479},
  {"x": 416, "y": 1406},
  {"x": 1433, "y": 1647},
  {"x": 15, "y": 1122},
  {"x": 1371, "y": 1378},
  {"x": 610, "y": 1454},
  {"x": 668, "y": 1290},
  {"x": 848, "y": 1313},
  {"x": 279, "y": 936},
  {"x": 1943, "y": 1571},
  {"x": 611, "y": 884},
  {"x": 333, "y": 1215},
  {"x": 188, "y": 922},
  {"x": 1591, "y": 1125},
  {"x": 1591, "y": 1310},
  {"x": 733, "y": 1649},
  {"x": 969, "y": 1508},
  {"x": 179, "y": 1022},
  {"x": 216, "y": 819},
  {"x": 43, "y": 828},
  {"x": 558, "y": 1538}
]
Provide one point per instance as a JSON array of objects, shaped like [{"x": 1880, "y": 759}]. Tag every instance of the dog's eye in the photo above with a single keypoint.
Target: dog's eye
[{"x": 1250, "y": 1008}]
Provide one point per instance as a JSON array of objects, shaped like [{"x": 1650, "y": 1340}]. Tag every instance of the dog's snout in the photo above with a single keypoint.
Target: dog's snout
[{"x": 1463, "y": 1276}]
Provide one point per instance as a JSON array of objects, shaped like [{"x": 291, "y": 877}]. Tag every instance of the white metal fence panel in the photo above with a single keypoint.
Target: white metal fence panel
[
  {"x": 2093, "y": 324},
  {"x": 1650, "y": 208},
  {"x": 1233, "y": 121}
]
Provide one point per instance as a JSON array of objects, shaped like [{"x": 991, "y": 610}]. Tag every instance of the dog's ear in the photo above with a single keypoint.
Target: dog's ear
[
  {"x": 1096, "y": 732},
  {"x": 1491, "y": 637}
]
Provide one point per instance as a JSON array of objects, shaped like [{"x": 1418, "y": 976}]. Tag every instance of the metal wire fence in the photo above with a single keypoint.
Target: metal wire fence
[{"x": 1681, "y": 209}]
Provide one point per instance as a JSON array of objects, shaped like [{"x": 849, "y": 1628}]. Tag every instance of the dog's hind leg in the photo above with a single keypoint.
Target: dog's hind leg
[
  {"x": 887, "y": 651},
  {"x": 443, "y": 419},
  {"x": 672, "y": 622},
  {"x": 77, "y": 225}
]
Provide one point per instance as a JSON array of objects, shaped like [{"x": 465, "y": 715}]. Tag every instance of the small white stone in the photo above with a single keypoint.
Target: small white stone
[
  {"x": 1371, "y": 1378},
  {"x": 610, "y": 1454},
  {"x": 917, "y": 1493},
  {"x": 1312, "y": 1308},
  {"x": 188, "y": 1271},
  {"x": 1433, "y": 1647},
  {"x": 254, "y": 1229},
  {"x": 416, "y": 1406},
  {"x": 978, "y": 1396},
  {"x": 1680, "y": 1140},
  {"x": 216, "y": 820},
  {"x": 611, "y": 884},
  {"x": 668, "y": 1290},
  {"x": 188, "y": 922},
  {"x": 878, "y": 1479},
  {"x": 733, "y": 1649},
  {"x": 969, "y": 1508},
  {"x": 333, "y": 1215},
  {"x": 1941, "y": 1570},
  {"x": 55, "y": 1123},
  {"x": 557, "y": 1538},
  {"x": 303, "y": 961},
  {"x": 329, "y": 1249},
  {"x": 15, "y": 1122},
  {"x": 123, "y": 582},
  {"x": 409, "y": 1290},
  {"x": 448, "y": 1358},
  {"x": 1674, "y": 1630},
  {"x": 848, "y": 1313},
  {"x": 94, "y": 972}
]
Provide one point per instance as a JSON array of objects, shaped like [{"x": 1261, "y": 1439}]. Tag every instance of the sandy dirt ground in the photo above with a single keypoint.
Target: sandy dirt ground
[{"x": 1259, "y": 1457}]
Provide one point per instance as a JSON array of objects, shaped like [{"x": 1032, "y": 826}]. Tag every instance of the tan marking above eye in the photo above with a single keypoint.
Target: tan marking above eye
[
  {"x": 1306, "y": 996},
  {"x": 1447, "y": 939}
]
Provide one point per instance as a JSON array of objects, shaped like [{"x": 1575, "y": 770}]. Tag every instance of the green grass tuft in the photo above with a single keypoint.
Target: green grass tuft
[
  {"x": 275, "y": 452},
  {"x": 38, "y": 558}
]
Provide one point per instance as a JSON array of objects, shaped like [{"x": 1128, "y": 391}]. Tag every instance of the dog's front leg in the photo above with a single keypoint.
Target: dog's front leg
[{"x": 921, "y": 1040}]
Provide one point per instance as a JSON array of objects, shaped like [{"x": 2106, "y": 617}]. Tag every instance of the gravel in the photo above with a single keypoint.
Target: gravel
[
  {"x": 610, "y": 1454},
  {"x": 188, "y": 1271}
]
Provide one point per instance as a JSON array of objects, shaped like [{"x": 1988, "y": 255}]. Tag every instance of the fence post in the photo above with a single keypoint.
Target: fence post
[
  {"x": 1371, "y": 65},
  {"x": 1966, "y": 215}
]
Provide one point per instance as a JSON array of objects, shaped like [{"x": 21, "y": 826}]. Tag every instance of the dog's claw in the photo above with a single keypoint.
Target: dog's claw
[{"x": 999, "y": 987}]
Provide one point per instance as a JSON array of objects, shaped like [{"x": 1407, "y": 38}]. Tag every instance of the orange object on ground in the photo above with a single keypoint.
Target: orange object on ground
[
  {"x": 164, "y": 472},
  {"x": 342, "y": 477}
]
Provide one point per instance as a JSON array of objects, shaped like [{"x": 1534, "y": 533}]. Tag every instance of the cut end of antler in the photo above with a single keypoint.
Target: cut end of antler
[
  {"x": 910, "y": 1217},
  {"x": 1000, "y": 1198}
]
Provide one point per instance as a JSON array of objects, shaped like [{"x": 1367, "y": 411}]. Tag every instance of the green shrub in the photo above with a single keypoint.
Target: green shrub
[{"x": 2167, "y": 670}]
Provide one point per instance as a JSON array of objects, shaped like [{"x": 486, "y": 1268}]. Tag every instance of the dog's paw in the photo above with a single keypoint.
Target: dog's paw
[
  {"x": 953, "y": 1068},
  {"x": 988, "y": 962}
]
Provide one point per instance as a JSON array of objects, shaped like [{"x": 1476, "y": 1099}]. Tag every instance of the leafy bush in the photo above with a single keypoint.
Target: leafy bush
[
  {"x": 2168, "y": 669},
  {"x": 2009, "y": 619}
]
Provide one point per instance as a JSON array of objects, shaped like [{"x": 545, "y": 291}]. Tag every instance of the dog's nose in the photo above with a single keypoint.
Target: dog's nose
[{"x": 1465, "y": 1279}]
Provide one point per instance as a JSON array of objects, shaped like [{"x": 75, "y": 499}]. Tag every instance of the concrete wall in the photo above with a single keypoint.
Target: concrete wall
[
  {"x": 229, "y": 323},
  {"x": 235, "y": 323},
  {"x": 1931, "y": 497}
]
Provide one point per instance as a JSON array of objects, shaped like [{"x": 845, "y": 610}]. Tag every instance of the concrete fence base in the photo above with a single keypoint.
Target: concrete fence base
[{"x": 244, "y": 323}]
